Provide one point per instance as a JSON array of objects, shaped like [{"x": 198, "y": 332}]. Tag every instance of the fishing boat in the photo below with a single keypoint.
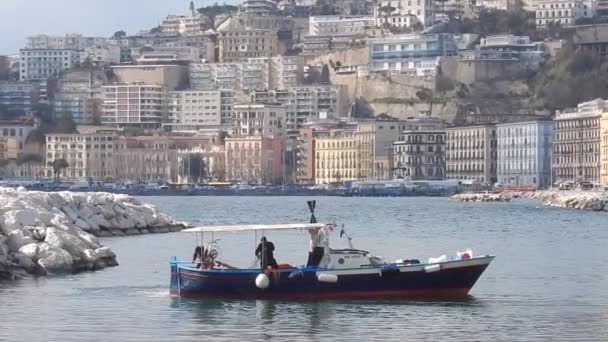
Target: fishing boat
[{"x": 328, "y": 274}]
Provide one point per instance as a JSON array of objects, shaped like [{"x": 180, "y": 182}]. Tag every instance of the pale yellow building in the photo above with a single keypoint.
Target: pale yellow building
[
  {"x": 8, "y": 148},
  {"x": 471, "y": 153},
  {"x": 337, "y": 157},
  {"x": 576, "y": 143},
  {"x": 604, "y": 150},
  {"x": 90, "y": 156}
]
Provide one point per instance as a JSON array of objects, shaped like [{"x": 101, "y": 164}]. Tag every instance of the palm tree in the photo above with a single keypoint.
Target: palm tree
[{"x": 58, "y": 166}]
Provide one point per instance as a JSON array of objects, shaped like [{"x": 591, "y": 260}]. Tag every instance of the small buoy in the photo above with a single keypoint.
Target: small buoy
[
  {"x": 432, "y": 268},
  {"x": 262, "y": 281},
  {"x": 327, "y": 278}
]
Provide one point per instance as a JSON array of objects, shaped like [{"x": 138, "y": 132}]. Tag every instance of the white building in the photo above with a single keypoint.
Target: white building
[
  {"x": 181, "y": 24},
  {"x": 563, "y": 12},
  {"x": 404, "y": 13},
  {"x": 252, "y": 73},
  {"x": 306, "y": 103},
  {"x": 133, "y": 105},
  {"x": 42, "y": 64},
  {"x": 90, "y": 156},
  {"x": 524, "y": 154},
  {"x": 191, "y": 110},
  {"x": 335, "y": 25},
  {"x": 492, "y": 4},
  {"x": 412, "y": 54},
  {"x": 102, "y": 54},
  {"x": 510, "y": 46},
  {"x": 576, "y": 142}
]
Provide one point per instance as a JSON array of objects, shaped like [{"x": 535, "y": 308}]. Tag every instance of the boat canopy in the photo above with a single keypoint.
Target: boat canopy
[{"x": 254, "y": 227}]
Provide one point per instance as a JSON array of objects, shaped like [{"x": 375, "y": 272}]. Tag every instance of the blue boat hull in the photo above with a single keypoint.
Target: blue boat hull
[{"x": 450, "y": 280}]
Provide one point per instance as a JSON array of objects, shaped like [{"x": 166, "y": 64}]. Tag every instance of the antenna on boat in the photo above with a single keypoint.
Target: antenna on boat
[
  {"x": 311, "y": 207},
  {"x": 350, "y": 240}
]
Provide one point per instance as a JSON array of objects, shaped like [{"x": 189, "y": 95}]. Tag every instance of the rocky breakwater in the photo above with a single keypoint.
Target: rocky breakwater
[
  {"x": 481, "y": 197},
  {"x": 582, "y": 200},
  {"x": 47, "y": 233}
]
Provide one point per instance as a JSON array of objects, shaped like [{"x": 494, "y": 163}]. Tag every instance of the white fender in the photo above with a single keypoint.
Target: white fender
[
  {"x": 327, "y": 278},
  {"x": 262, "y": 281}
]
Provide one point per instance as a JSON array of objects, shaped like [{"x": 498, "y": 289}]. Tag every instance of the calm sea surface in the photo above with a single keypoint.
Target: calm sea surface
[{"x": 549, "y": 281}]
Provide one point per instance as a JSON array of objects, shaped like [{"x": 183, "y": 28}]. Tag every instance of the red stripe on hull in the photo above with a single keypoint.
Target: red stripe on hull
[{"x": 405, "y": 294}]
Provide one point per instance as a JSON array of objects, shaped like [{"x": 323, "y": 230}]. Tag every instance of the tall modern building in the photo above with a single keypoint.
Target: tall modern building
[
  {"x": 524, "y": 154},
  {"x": 471, "y": 153},
  {"x": 576, "y": 144},
  {"x": 134, "y": 105},
  {"x": 193, "y": 110}
]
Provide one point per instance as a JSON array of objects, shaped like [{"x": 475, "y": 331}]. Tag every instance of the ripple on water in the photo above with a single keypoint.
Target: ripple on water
[{"x": 548, "y": 282}]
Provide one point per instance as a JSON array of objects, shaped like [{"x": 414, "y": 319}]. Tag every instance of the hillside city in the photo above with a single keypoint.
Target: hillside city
[{"x": 495, "y": 92}]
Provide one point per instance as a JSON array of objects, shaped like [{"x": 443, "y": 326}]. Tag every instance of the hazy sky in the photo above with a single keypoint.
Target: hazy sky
[{"x": 22, "y": 18}]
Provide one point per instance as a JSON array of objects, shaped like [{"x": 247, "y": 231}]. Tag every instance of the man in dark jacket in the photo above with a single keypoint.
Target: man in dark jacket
[{"x": 265, "y": 252}]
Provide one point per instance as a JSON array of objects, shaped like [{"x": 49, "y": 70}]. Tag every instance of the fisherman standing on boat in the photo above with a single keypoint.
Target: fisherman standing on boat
[{"x": 265, "y": 252}]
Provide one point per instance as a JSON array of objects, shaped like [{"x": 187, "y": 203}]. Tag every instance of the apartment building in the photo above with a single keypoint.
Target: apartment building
[
  {"x": 563, "y": 12},
  {"x": 254, "y": 159},
  {"x": 413, "y": 54},
  {"x": 182, "y": 24},
  {"x": 336, "y": 25},
  {"x": 306, "y": 103},
  {"x": 19, "y": 97},
  {"x": 253, "y": 119},
  {"x": 134, "y": 105},
  {"x": 337, "y": 157},
  {"x": 576, "y": 143},
  {"x": 90, "y": 156},
  {"x": 191, "y": 110},
  {"x": 237, "y": 42},
  {"x": 471, "y": 153},
  {"x": 420, "y": 155},
  {"x": 524, "y": 154},
  {"x": 42, "y": 64},
  {"x": 17, "y": 130},
  {"x": 404, "y": 13}
]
